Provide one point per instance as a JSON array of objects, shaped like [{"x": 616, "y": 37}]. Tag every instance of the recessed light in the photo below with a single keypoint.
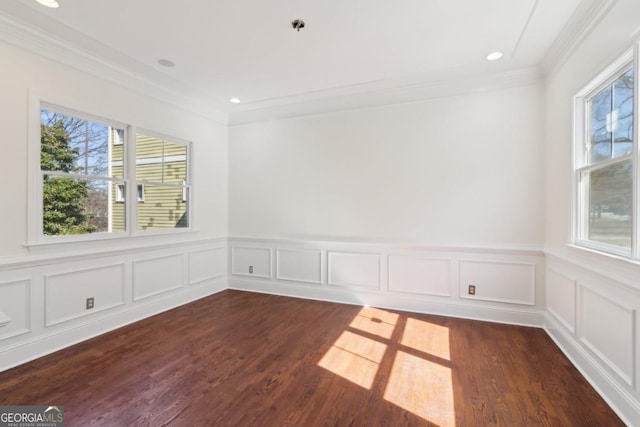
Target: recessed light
[
  {"x": 494, "y": 55},
  {"x": 234, "y": 101},
  {"x": 53, "y": 4},
  {"x": 166, "y": 63}
]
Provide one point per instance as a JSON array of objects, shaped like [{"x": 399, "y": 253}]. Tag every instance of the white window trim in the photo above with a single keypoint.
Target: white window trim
[
  {"x": 580, "y": 132},
  {"x": 35, "y": 235}
]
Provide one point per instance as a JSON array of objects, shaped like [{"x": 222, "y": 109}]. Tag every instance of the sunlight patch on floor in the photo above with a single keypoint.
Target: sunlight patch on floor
[
  {"x": 355, "y": 358},
  {"x": 422, "y": 387},
  {"x": 427, "y": 337},
  {"x": 375, "y": 321}
]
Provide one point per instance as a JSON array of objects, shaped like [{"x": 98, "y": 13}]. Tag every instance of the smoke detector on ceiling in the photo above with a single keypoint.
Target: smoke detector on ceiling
[{"x": 297, "y": 24}]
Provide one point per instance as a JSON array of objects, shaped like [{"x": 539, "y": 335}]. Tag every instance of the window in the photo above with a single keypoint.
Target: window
[
  {"x": 82, "y": 167},
  {"x": 605, "y": 158}
]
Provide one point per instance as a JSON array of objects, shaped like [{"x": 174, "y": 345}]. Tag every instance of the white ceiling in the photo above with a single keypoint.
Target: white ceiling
[{"x": 247, "y": 48}]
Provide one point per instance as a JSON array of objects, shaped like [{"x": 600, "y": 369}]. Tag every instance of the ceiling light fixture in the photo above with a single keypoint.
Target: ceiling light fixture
[
  {"x": 53, "y": 4},
  {"x": 234, "y": 100},
  {"x": 297, "y": 24},
  {"x": 166, "y": 63},
  {"x": 494, "y": 55}
]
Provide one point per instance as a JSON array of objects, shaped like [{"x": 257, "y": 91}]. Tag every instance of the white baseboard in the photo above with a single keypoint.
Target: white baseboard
[
  {"x": 620, "y": 400},
  {"x": 393, "y": 301},
  {"x": 42, "y": 345}
]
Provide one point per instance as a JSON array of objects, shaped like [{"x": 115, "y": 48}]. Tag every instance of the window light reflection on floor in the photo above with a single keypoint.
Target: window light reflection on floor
[
  {"x": 427, "y": 337},
  {"x": 423, "y": 388},
  {"x": 375, "y": 321},
  {"x": 355, "y": 358},
  {"x": 420, "y": 378}
]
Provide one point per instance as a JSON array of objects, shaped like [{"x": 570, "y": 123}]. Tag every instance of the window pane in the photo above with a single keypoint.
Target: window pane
[
  {"x": 175, "y": 162},
  {"x": 163, "y": 208},
  {"x": 622, "y": 127},
  {"x": 600, "y": 117},
  {"x": 118, "y": 203},
  {"x": 71, "y": 144},
  {"x": 608, "y": 204},
  {"x": 148, "y": 158},
  {"x": 77, "y": 206},
  {"x": 117, "y": 153},
  {"x": 160, "y": 160}
]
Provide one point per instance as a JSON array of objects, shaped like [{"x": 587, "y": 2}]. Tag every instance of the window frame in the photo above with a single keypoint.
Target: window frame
[
  {"x": 580, "y": 165},
  {"x": 35, "y": 233}
]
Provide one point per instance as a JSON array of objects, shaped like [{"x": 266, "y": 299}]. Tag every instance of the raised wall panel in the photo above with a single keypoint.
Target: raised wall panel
[
  {"x": 14, "y": 308},
  {"x": 252, "y": 262},
  {"x": 607, "y": 329},
  {"x": 510, "y": 282},
  {"x": 354, "y": 269},
  {"x": 66, "y": 293},
  {"x": 561, "y": 298},
  {"x": 420, "y": 275},
  {"x": 299, "y": 265},
  {"x": 206, "y": 264},
  {"x": 154, "y": 276}
]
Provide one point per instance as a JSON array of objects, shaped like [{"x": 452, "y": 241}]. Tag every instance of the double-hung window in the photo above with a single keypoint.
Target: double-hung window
[
  {"x": 85, "y": 169},
  {"x": 606, "y": 161}
]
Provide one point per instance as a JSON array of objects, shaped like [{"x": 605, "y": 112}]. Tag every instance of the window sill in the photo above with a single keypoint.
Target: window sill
[
  {"x": 103, "y": 239},
  {"x": 618, "y": 268}
]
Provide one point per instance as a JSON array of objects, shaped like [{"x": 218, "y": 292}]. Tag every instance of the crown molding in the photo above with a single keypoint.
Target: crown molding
[
  {"x": 583, "y": 21},
  {"x": 64, "y": 52},
  {"x": 387, "y": 92}
]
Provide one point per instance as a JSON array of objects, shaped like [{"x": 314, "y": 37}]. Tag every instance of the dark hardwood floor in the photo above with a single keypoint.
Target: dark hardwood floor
[{"x": 247, "y": 359}]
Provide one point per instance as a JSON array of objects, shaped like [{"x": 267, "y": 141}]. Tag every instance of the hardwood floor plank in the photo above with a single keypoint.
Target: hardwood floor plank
[{"x": 246, "y": 359}]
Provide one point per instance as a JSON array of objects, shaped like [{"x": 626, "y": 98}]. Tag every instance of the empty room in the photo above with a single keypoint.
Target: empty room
[{"x": 301, "y": 213}]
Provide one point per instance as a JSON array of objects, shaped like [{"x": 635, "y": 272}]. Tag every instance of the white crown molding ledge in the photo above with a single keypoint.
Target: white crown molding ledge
[
  {"x": 403, "y": 90},
  {"x": 585, "y": 18}
]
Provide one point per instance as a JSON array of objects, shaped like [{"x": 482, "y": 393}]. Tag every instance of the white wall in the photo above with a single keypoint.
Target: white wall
[
  {"x": 592, "y": 300},
  {"x": 43, "y": 289},
  {"x": 456, "y": 170},
  {"x": 400, "y": 206}
]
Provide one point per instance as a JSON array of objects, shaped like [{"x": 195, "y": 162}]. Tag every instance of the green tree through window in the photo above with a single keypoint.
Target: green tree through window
[{"x": 63, "y": 198}]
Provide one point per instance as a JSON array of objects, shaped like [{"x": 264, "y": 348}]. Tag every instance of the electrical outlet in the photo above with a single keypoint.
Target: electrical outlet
[
  {"x": 251, "y": 269},
  {"x": 472, "y": 289},
  {"x": 89, "y": 303}
]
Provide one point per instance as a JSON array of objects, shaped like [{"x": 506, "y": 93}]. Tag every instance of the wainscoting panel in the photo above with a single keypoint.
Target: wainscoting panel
[
  {"x": 499, "y": 281},
  {"x": 153, "y": 276},
  {"x": 299, "y": 265},
  {"x": 354, "y": 269},
  {"x": 427, "y": 276},
  {"x": 561, "y": 298},
  {"x": 251, "y": 261},
  {"x": 14, "y": 308},
  {"x": 66, "y": 293},
  {"x": 611, "y": 333},
  {"x": 207, "y": 264},
  {"x": 43, "y": 296}
]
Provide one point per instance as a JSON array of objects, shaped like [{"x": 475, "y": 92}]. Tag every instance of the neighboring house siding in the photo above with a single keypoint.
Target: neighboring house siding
[{"x": 162, "y": 207}]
